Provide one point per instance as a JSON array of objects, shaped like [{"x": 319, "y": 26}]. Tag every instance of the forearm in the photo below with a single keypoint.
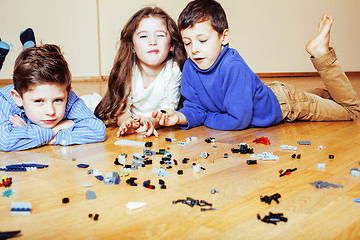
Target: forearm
[
  {"x": 22, "y": 138},
  {"x": 83, "y": 132}
]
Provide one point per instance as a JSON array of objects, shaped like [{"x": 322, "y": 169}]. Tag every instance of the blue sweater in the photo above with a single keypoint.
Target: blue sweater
[{"x": 227, "y": 96}]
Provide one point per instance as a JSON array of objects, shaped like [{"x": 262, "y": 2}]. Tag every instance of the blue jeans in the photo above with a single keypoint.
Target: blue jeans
[{"x": 343, "y": 104}]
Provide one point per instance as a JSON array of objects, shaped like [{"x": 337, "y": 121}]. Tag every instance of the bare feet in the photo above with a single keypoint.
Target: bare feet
[{"x": 319, "y": 45}]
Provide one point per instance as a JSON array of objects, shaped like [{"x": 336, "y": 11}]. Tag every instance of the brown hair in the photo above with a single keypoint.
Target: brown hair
[
  {"x": 203, "y": 10},
  {"x": 114, "y": 102},
  {"x": 40, "y": 65}
]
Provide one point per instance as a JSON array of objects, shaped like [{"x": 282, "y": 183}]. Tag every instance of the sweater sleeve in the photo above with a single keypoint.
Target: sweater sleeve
[
  {"x": 237, "y": 88},
  {"x": 20, "y": 138},
  {"x": 193, "y": 110},
  {"x": 87, "y": 128}
]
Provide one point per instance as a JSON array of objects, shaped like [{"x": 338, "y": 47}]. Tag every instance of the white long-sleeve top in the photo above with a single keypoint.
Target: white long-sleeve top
[{"x": 164, "y": 92}]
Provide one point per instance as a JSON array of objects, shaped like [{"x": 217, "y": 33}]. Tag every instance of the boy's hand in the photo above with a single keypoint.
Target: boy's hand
[
  {"x": 170, "y": 118},
  {"x": 65, "y": 124},
  {"x": 128, "y": 127},
  {"x": 147, "y": 126},
  {"x": 17, "y": 121}
]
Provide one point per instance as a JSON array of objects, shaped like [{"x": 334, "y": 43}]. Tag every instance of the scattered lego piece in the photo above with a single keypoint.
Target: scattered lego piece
[
  {"x": 251, "y": 162},
  {"x": 210, "y": 140},
  {"x": 116, "y": 162},
  {"x": 85, "y": 185},
  {"x": 96, "y": 217},
  {"x": 204, "y": 155},
  {"x": 23, "y": 167},
  {"x": 163, "y": 111},
  {"x": 65, "y": 200},
  {"x": 193, "y": 202},
  {"x": 355, "y": 172},
  {"x": 262, "y": 140},
  {"x": 213, "y": 191},
  {"x": 82, "y": 165},
  {"x": 162, "y": 184},
  {"x": 123, "y": 173},
  {"x": 124, "y": 142},
  {"x": 181, "y": 143},
  {"x": 135, "y": 205},
  {"x": 287, "y": 147},
  {"x": 9, "y": 234},
  {"x": 131, "y": 181},
  {"x": 225, "y": 155},
  {"x": 331, "y": 156},
  {"x": 6, "y": 182},
  {"x": 268, "y": 199},
  {"x": 265, "y": 156},
  {"x": 208, "y": 209},
  {"x": 7, "y": 193},
  {"x": 20, "y": 208},
  {"x": 161, "y": 171},
  {"x": 185, "y": 160},
  {"x": 357, "y": 200},
  {"x": 304, "y": 142},
  {"x": 286, "y": 172},
  {"x": 322, "y": 184},
  {"x": 321, "y": 165},
  {"x": 320, "y": 147},
  {"x": 73, "y": 159},
  {"x": 146, "y": 184},
  {"x": 180, "y": 172},
  {"x": 197, "y": 168},
  {"x": 273, "y": 218},
  {"x": 243, "y": 149},
  {"x": 90, "y": 195},
  {"x": 111, "y": 178}
]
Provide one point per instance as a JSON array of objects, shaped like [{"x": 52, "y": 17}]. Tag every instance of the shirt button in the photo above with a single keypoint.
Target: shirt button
[{"x": 63, "y": 141}]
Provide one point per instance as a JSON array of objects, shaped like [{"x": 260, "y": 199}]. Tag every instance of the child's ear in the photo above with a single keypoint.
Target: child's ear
[
  {"x": 225, "y": 37},
  {"x": 17, "y": 98}
]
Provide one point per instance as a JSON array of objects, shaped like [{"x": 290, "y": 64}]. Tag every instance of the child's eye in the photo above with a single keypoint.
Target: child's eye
[
  {"x": 143, "y": 36},
  {"x": 160, "y": 35},
  {"x": 202, "y": 41},
  {"x": 186, "y": 43},
  {"x": 58, "y": 100},
  {"x": 38, "y": 101}
]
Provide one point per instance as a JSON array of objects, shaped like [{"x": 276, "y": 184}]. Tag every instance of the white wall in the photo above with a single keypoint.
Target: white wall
[
  {"x": 269, "y": 34},
  {"x": 68, "y": 23}
]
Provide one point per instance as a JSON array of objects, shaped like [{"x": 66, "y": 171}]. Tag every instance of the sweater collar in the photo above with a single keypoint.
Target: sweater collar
[{"x": 223, "y": 52}]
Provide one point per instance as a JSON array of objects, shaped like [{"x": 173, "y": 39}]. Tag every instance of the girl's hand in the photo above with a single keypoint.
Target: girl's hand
[
  {"x": 170, "y": 118},
  {"x": 17, "y": 121},
  {"x": 128, "y": 127},
  {"x": 147, "y": 126}
]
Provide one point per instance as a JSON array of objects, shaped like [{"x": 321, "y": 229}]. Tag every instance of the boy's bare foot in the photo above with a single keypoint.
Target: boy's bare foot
[{"x": 319, "y": 45}]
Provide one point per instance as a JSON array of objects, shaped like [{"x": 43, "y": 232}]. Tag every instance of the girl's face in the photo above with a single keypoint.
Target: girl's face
[{"x": 151, "y": 42}]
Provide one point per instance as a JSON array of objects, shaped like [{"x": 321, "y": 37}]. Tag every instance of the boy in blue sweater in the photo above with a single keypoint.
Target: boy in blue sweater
[
  {"x": 223, "y": 93},
  {"x": 40, "y": 107}
]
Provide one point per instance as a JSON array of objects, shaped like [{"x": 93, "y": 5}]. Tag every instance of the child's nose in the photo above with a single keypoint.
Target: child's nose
[
  {"x": 194, "y": 49},
  {"x": 50, "y": 110},
  {"x": 152, "y": 40}
]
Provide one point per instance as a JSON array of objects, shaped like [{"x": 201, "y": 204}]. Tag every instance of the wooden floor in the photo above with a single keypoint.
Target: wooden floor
[{"x": 312, "y": 213}]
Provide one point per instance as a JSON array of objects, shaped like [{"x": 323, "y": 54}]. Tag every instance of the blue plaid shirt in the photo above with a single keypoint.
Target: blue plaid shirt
[{"x": 87, "y": 128}]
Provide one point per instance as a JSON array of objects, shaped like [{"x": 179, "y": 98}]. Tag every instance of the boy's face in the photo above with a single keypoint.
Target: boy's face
[
  {"x": 203, "y": 44},
  {"x": 44, "y": 104},
  {"x": 152, "y": 42}
]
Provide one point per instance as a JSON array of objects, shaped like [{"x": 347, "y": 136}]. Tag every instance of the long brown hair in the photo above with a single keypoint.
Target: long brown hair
[{"x": 119, "y": 85}]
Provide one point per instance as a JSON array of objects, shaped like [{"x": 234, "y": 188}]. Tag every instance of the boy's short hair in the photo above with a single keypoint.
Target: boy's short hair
[
  {"x": 203, "y": 10},
  {"x": 43, "y": 64}
]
